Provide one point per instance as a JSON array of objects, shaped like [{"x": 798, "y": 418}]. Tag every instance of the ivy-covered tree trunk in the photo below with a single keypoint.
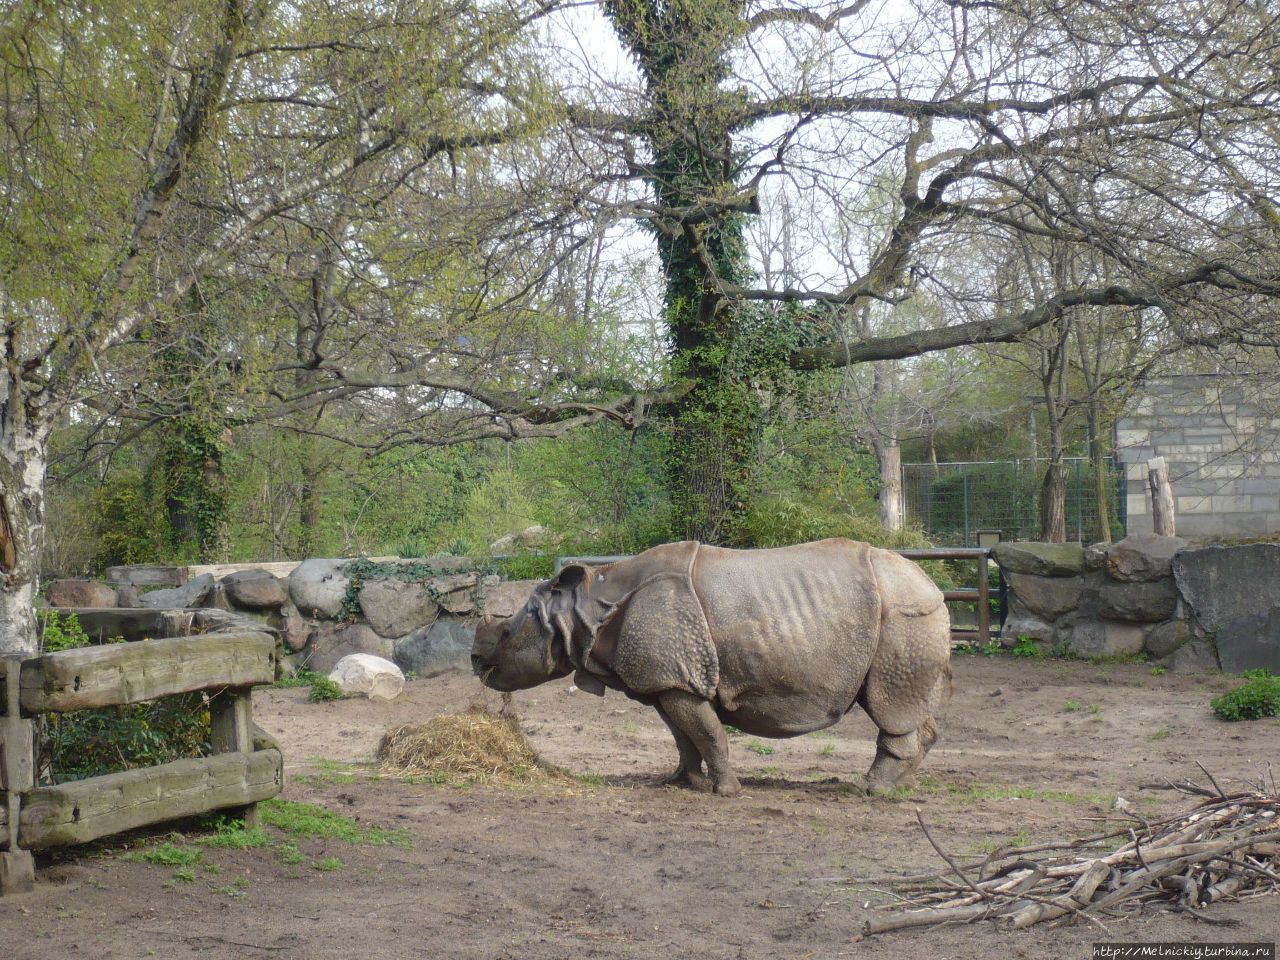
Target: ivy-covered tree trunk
[
  {"x": 681, "y": 48},
  {"x": 193, "y": 477}
]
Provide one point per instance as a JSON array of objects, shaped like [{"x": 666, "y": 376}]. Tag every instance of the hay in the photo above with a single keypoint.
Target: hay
[{"x": 476, "y": 746}]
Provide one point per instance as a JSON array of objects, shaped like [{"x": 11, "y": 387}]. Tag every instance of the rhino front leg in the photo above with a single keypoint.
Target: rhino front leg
[
  {"x": 696, "y": 719},
  {"x": 689, "y": 773}
]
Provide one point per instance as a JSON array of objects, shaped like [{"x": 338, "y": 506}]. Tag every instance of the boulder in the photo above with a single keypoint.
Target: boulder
[
  {"x": 295, "y": 630},
  {"x": 443, "y": 646},
  {"x": 213, "y": 620},
  {"x": 1164, "y": 638},
  {"x": 318, "y": 588},
  {"x": 1140, "y": 601},
  {"x": 255, "y": 590},
  {"x": 397, "y": 607},
  {"x": 1025, "y": 626},
  {"x": 1233, "y": 595},
  {"x": 194, "y": 593},
  {"x": 1040, "y": 559},
  {"x": 1105, "y": 638},
  {"x": 461, "y": 593},
  {"x": 81, "y": 593},
  {"x": 1197, "y": 656},
  {"x": 375, "y": 677},
  {"x": 504, "y": 599},
  {"x": 1095, "y": 556},
  {"x": 532, "y": 536},
  {"x": 504, "y": 544},
  {"x": 330, "y": 642},
  {"x": 1046, "y": 597},
  {"x": 1142, "y": 556}
]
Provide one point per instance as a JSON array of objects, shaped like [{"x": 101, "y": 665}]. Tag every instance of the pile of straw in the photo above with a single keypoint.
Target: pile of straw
[{"x": 476, "y": 746}]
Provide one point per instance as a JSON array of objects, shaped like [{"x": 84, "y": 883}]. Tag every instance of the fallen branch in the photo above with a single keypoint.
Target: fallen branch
[{"x": 1225, "y": 847}]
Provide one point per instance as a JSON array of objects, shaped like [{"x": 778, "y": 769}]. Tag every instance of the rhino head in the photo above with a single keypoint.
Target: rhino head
[{"x": 543, "y": 640}]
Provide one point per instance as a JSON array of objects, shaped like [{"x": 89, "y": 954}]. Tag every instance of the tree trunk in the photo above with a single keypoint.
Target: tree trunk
[
  {"x": 22, "y": 476},
  {"x": 1053, "y": 502},
  {"x": 889, "y": 457},
  {"x": 1101, "y": 476},
  {"x": 682, "y": 52}
]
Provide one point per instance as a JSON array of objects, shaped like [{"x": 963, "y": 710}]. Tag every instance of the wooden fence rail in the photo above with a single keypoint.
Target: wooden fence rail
[{"x": 242, "y": 770}]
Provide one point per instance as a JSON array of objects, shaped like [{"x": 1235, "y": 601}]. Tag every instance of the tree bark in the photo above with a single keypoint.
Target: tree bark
[
  {"x": 1162, "y": 520},
  {"x": 889, "y": 457},
  {"x": 1101, "y": 476},
  {"x": 23, "y": 459}
]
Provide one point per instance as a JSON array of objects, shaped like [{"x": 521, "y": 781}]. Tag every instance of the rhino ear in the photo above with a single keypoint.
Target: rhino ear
[{"x": 570, "y": 577}]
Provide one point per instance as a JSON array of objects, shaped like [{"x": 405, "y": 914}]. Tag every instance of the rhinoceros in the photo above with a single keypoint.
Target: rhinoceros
[{"x": 776, "y": 642}]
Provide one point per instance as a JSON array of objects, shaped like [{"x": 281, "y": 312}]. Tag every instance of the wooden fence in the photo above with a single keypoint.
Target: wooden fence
[{"x": 242, "y": 770}]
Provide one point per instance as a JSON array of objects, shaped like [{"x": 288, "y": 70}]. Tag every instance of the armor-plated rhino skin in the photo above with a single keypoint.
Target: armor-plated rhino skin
[{"x": 775, "y": 642}]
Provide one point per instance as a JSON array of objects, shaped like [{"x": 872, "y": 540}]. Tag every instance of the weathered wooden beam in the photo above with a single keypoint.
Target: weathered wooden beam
[
  {"x": 17, "y": 872},
  {"x": 132, "y": 623},
  {"x": 148, "y": 576},
  {"x": 1162, "y": 519},
  {"x": 84, "y": 810},
  {"x": 231, "y": 730},
  {"x": 231, "y": 720},
  {"x": 132, "y": 672}
]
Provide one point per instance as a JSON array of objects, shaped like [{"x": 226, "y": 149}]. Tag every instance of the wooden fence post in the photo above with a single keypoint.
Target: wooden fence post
[
  {"x": 17, "y": 775},
  {"x": 231, "y": 730},
  {"x": 1162, "y": 519}
]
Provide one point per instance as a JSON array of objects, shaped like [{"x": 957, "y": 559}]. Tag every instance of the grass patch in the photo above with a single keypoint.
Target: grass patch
[
  {"x": 828, "y": 749},
  {"x": 289, "y": 853},
  {"x": 993, "y": 791},
  {"x": 763, "y": 749},
  {"x": 1160, "y": 735},
  {"x": 328, "y": 864},
  {"x": 167, "y": 854},
  {"x": 308, "y": 820},
  {"x": 234, "y": 836},
  {"x": 1106, "y": 659}
]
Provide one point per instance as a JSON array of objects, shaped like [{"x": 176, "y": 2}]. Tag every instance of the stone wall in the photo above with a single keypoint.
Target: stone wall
[
  {"x": 1188, "y": 608},
  {"x": 1221, "y": 440},
  {"x": 421, "y": 614}
]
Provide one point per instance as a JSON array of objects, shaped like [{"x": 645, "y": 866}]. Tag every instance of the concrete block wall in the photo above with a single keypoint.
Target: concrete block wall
[{"x": 1221, "y": 439}]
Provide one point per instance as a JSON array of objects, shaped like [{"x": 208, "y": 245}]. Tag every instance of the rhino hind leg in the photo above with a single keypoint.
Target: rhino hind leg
[
  {"x": 689, "y": 773},
  {"x": 908, "y": 685},
  {"x": 696, "y": 720}
]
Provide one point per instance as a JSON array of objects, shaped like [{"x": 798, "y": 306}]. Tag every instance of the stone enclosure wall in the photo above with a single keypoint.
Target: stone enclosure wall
[
  {"x": 420, "y": 614},
  {"x": 1221, "y": 440},
  {"x": 1189, "y": 608}
]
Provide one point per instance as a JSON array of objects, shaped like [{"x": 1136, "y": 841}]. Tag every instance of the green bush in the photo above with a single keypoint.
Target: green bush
[
  {"x": 60, "y": 631},
  {"x": 323, "y": 689},
  {"x": 1258, "y": 697},
  {"x": 89, "y": 743}
]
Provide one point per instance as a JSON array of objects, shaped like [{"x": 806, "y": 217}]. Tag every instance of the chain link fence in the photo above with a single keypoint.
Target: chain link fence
[{"x": 951, "y": 502}]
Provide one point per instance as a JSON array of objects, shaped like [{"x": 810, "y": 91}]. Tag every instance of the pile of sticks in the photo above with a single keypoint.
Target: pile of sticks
[{"x": 1227, "y": 846}]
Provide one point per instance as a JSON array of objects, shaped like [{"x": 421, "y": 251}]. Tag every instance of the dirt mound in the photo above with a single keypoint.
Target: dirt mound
[{"x": 477, "y": 746}]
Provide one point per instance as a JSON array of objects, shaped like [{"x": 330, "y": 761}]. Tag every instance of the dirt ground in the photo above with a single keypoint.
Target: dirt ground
[{"x": 618, "y": 866}]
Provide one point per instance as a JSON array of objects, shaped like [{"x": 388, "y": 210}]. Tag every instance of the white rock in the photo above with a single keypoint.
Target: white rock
[{"x": 376, "y": 678}]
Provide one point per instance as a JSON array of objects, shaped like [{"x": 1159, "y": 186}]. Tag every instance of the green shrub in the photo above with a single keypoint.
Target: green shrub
[
  {"x": 1258, "y": 697},
  {"x": 323, "y": 689},
  {"x": 1026, "y": 647},
  {"x": 60, "y": 631},
  {"x": 89, "y": 743}
]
